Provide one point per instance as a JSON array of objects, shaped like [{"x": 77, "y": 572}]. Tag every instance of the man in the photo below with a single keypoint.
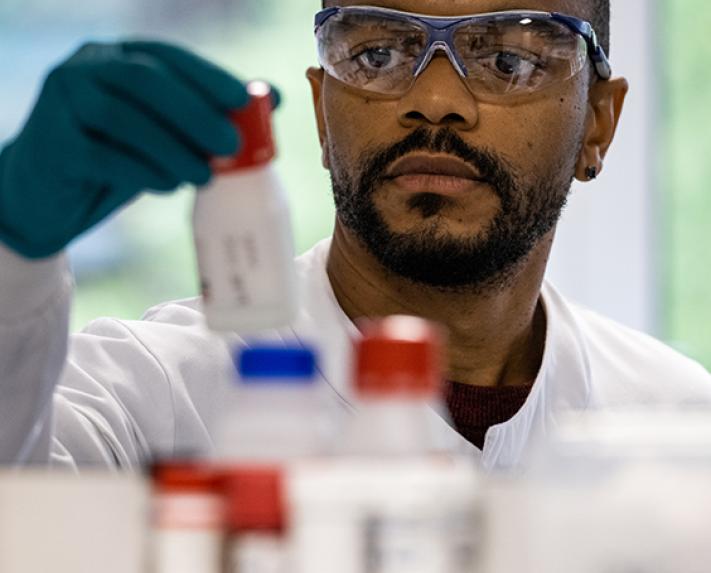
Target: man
[{"x": 451, "y": 144}]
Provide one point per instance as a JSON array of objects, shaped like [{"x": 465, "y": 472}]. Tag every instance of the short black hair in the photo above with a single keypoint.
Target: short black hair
[
  {"x": 597, "y": 12},
  {"x": 599, "y": 16}
]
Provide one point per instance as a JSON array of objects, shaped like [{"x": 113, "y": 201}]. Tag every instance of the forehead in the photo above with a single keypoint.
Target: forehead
[{"x": 465, "y": 7}]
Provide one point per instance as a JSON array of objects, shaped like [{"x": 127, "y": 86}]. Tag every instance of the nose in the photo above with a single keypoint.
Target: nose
[{"x": 439, "y": 97}]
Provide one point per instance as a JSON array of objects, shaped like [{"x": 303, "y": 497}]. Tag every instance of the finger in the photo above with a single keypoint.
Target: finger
[
  {"x": 120, "y": 122},
  {"x": 214, "y": 83},
  {"x": 109, "y": 201},
  {"x": 99, "y": 207},
  {"x": 151, "y": 86},
  {"x": 122, "y": 171},
  {"x": 117, "y": 179}
]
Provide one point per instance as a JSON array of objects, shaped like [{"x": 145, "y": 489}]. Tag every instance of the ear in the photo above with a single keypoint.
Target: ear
[
  {"x": 604, "y": 108},
  {"x": 315, "y": 77}
]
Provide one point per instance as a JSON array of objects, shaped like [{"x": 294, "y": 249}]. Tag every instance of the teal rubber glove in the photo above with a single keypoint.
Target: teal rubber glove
[{"x": 110, "y": 122}]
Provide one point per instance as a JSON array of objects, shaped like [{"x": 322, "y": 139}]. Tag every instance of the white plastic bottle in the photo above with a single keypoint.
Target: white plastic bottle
[
  {"x": 398, "y": 385},
  {"x": 243, "y": 233},
  {"x": 615, "y": 490},
  {"x": 257, "y": 537},
  {"x": 68, "y": 522},
  {"x": 279, "y": 412},
  {"x": 188, "y": 518},
  {"x": 278, "y": 408},
  {"x": 393, "y": 500}
]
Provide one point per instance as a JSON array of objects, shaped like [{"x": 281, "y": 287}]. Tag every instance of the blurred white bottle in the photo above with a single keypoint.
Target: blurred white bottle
[
  {"x": 613, "y": 490},
  {"x": 277, "y": 412},
  {"x": 398, "y": 387},
  {"x": 62, "y": 522},
  {"x": 394, "y": 500},
  {"x": 243, "y": 233},
  {"x": 187, "y": 519},
  {"x": 256, "y": 535}
]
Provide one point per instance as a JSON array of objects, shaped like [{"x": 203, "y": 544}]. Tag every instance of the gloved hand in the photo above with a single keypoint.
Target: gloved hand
[{"x": 111, "y": 121}]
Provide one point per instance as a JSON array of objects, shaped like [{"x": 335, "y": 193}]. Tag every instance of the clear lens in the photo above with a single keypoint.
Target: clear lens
[
  {"x": 503, "y": 55},
  {"x": 518, "y": 56},
  {"x": 371, "y": 52}
]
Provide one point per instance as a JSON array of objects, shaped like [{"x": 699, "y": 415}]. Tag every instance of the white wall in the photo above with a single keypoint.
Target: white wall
[{"x": 606, "y": 254}]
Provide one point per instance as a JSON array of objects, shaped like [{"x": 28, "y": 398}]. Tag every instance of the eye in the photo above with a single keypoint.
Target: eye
[
  {"x": 386, "y": 54},
  {"x": 512, "y": 59},
  {"x": 376, "y": 58},
  {"x": 510, "y": 64}
]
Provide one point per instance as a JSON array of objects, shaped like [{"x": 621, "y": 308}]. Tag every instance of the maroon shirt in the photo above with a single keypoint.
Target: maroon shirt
[{"x": 475, "y": 409}]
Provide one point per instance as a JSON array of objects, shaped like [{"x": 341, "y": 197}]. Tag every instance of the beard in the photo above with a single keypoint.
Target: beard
[{"x": 483, "y": 262}]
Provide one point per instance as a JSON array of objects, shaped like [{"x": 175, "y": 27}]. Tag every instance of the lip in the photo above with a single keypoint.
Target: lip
[
  {"x": 433, "y": 166},
  {"x": 440, "y": 174}
]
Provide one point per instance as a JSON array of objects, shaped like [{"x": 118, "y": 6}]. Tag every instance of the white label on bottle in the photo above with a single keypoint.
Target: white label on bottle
[
  {"x": 187, "y": 551},
  {"x": 254, "y": 553},
  {"x": 241, "y": 275},
  {"x": 421, "y": 544},
  {"x": 187, "y": 533},
  {"x": 245, "y": 252}
]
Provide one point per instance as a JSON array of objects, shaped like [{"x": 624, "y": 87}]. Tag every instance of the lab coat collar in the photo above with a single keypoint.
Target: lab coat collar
[{"x": 563, "y": 382}]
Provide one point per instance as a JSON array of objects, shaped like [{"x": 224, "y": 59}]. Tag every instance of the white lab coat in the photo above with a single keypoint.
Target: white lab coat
[{"x": 122, "y": 391}]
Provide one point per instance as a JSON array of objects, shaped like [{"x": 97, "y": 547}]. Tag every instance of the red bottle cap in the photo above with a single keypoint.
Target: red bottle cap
[
  {"x": 255, "y": 498},
  {"x": 186, "y": 477},
  {"x": 254, "y": 122},
  {"x": 399, "y": 356}
]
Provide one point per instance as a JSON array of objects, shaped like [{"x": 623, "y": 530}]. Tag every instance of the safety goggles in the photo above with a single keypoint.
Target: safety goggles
[{"x": 499, "y": 55}]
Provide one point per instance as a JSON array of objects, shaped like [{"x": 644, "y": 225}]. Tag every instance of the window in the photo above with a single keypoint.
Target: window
[{"x": 684, "y": 158}]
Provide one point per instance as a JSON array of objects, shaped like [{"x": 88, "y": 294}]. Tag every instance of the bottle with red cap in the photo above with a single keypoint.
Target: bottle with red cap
[
  {"x": 256, "y": 540},
  {"x": 188, "y": 518},
  {"x": 397, "y": 498},
  {"x": 243, "y": 232},
  {"x": 398, "y": 383}
]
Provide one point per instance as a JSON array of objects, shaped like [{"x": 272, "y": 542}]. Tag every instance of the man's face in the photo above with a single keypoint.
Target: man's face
[{"x": 513, "y": 164}]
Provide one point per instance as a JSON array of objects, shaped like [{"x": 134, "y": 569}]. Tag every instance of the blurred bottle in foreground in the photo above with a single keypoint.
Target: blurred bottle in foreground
[
  {"x": 188, "y": 518},
  {"x": 62, "y": 522},
  {"x": 226, "y": 512},
  {"x": 608, "y": 492},
  {"x": 278, "y": 412},
  {"x": 277, "y": 408},
  {"x": 398, "y": 385},
  {"x": 393, "y": 499},
  {"x": 257, "y": 535}
]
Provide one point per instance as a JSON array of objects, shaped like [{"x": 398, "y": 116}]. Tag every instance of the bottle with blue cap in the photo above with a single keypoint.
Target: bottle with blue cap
[{"x": 278, "y": 409}]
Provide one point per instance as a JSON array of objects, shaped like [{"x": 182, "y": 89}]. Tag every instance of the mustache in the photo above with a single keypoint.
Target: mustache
[{"x": 492, "y": 169}]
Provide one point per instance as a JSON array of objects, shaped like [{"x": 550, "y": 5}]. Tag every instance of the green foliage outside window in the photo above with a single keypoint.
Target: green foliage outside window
[{"x": 684, "y": 157}]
